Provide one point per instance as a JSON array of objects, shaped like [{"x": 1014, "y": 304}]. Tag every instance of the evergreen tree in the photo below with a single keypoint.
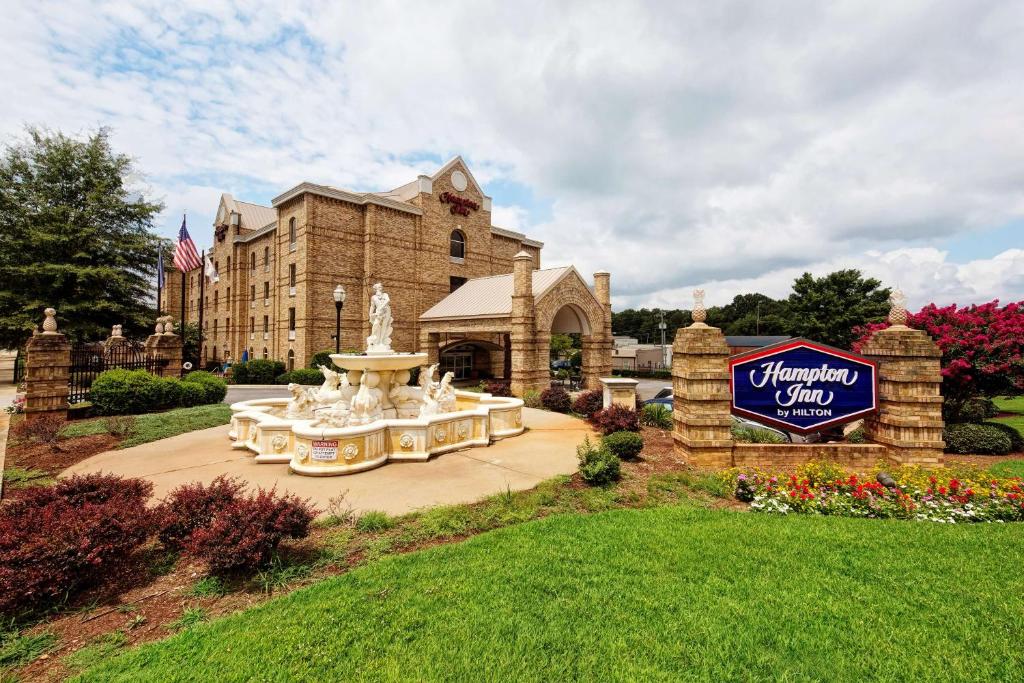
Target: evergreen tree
[
  {"x": 74, "y": 237},
  {"x": 827, "y": 309}
]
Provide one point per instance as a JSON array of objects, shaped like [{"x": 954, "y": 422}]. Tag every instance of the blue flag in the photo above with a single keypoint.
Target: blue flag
[{"x": 160, "y": 268}]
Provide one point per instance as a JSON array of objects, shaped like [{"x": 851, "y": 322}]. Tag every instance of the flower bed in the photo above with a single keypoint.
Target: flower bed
[{"x": 950, "y": 495}]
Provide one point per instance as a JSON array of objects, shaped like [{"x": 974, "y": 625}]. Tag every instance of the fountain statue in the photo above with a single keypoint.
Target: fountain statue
[
  {"x": 370, "y": 413},
  {"x": 379, "y": 341}
]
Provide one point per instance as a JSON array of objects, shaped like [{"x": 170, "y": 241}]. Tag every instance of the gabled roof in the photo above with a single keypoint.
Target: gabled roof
[
  {"x": 252, "y": 216},
  {"x": 491, "y": 297},
  {"x": 454, "y": 161}
]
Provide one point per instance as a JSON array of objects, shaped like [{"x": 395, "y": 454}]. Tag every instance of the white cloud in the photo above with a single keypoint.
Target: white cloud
[{"x": 728, "y": 143}]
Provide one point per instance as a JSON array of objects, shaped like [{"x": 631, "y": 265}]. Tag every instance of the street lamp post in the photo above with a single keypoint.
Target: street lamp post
[
  {"x": 339, "y": 301},
  {"x": 662, "y": 326}
]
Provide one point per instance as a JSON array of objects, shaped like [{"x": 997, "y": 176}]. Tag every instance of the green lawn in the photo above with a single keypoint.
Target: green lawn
[
  {"x": 154, "y": 426},
  {"x": 1010, "y": 404},
  {"x": 671, "y": 593},
  {"x": 1008, "y": 468}
]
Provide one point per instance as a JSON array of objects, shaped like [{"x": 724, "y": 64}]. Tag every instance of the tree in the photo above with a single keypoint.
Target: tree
[
  {"x": 827, "y": 309},
  {"x": 751, "y": 314},
  {"x": 560, "y": 344},
  {"x": 72, "y": 236},
  {"x": 982, "y": 348}
]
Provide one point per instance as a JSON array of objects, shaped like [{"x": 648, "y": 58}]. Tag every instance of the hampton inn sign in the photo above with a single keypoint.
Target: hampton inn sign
[{"x": 802, "y": 386}]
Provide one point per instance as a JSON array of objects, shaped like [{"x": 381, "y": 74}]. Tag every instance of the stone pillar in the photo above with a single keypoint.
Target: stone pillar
[
  {"x": 165, "y": 346},
  {"x": 700, "y": 386},
  {"x": 523, "y": 338},
  {"x": 47, "y": 367},
  {"x": 619, "y": 391},
  {"x": 597, "y": 349},
  {"x": 430, "y": 344},
  {"x": 909, "y": 420},
  {"x": 115, "y": 342}
]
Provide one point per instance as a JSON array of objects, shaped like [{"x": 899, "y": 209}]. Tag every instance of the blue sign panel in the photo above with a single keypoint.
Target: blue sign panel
[{"x": 803, "y": 387}]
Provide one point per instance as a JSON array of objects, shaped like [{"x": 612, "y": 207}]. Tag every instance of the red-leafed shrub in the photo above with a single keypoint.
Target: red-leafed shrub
[
  {"x": 193, "y": 506},
  {"x": 588, "y": 403},
  {"x": 498, "y": 387},
  {"x": 556, "y": 399},
  {"x": 57, "y": 540},
  {"x": 615, "y": 418},
  {"x": 982, "y": 347},
  {"x": 244, "y": 534},
  {"x": 43, "y": 429}
]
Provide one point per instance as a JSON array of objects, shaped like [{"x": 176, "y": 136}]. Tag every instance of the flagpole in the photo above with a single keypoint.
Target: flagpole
[
  {"x": 202, "y": 290},
  {"x": 181, "y": 326},
  {"x": 159, "y": 275}
]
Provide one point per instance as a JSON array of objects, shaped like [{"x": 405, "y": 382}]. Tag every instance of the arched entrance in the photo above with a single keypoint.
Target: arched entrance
[{"x": 472, "y": 359}]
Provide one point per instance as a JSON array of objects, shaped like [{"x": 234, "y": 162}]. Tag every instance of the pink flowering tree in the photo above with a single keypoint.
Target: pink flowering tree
[{"x": 982, "y": 347}]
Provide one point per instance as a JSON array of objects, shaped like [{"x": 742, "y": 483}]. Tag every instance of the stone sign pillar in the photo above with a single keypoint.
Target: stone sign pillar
[
  {"x": 909, "y": 420},
  {"x": 47, "y": 367},
  {"x": 619, "y": 391},
  {"x": 700, "y": 386}
]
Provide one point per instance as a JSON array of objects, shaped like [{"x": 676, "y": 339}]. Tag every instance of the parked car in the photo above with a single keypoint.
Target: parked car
[
  {"x": 561, "y": 364},
  {"x": 664, "y": 397}
]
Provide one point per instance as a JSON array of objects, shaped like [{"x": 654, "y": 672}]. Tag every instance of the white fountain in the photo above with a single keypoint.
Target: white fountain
[{"x": 370, "y": 414}]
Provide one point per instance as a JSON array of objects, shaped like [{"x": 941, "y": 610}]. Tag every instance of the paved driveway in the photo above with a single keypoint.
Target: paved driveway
[{"x": 546, "y": 449}]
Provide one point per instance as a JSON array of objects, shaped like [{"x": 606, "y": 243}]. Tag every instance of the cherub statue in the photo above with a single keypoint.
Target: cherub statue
[
  {"x": 300, "y": 407},
  {"x": 366, "y": 404},
  {"x": 430, "y": 405}
]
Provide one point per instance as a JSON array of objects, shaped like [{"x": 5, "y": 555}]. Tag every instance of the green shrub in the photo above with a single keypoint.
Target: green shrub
[
  {"x": 753, "y": 435},
  {"x": 598, "y": 465},
  {"x": 972, "y": 410},
  {"x": 625, "y": 445},
  {"x": 531, "y": 399},
  {"x": 170, "y": 392},
  {"x": 301, "y": 376},
  {"x": 656, "y": 415},
  {"x": 980, "y": 439},
  {"x": 123, "y": 392},
  {"x": 216, "y": 388},
  {"x": 856, "y": 436},
  {"x": 374, "y": 520},
  {"x": 324, "y": 358},
  {"x": 259, "y": 371},
  {"x": 1016, "y": 439},
  {"x": 192, "y": 394}
]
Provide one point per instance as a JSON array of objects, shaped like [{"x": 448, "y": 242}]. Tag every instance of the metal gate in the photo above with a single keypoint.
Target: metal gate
[{"x": 90, "y": 359}]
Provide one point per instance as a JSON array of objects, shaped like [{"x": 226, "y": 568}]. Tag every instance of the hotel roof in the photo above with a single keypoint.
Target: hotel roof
[{"x": 491, "y": 297}]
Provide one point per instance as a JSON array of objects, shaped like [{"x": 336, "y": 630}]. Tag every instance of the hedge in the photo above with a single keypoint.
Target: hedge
[
  {"x": 979, "y": 439},
  {"x": 307, "y": 376},
  {"x": 258, "y": 371},
  {"x": 130, "y": 392}
]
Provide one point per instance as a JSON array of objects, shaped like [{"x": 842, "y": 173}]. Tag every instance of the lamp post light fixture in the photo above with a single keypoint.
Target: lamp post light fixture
[
  {"x": 662, "y": 326},
  {"x": 339, "y": 301}
]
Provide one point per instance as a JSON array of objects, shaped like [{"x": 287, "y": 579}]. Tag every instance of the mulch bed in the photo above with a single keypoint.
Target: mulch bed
[{"x": 44, "y": 457}]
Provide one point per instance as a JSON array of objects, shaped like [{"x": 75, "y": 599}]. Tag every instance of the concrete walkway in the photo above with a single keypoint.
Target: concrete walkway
[{"x": 548, "y": 448}]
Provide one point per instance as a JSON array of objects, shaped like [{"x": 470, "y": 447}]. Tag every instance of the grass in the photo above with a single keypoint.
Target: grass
[
  {"x": 190, "y": 617},
  {"x": 1010, "y": 404},
  {"x": 208, "y": 586},
  {"x": 669, "y": 593},
  {"x": 1008, "y": 468},
  {"x": 99, "y": 650},
  {"x": 21, "y": 477},
  {"x": 154, "y": 426},
  {"x": 17, "y": 649}
]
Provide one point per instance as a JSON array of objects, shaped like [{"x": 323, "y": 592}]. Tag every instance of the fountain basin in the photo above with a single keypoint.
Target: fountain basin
[
  {"x": 379, "y": 362},
  {"x": 479, "y": 419}
]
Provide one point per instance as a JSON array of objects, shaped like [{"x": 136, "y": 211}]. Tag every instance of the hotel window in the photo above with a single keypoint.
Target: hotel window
[
  {"x": 215, "y": 329},
  {"x": 266, "y": 324},
  {"x": 252, "y": 261},
  {"x": 291, "y": 233},
  {"x": 229, "y": 264},
  {"x": 266, "y": 290},
  {"x": 265, "y": 355},
  {"x": 252, "y": 325},
  {"x": 266, "y": 259},
  {"x": 227, "y": 326},
  {"x": 215, "y": 300},
  {"x": 291, "y": 360},
  {"x": 458, "y": 245},
  {"x": 455, "y": 282},
  {"x": 227, "y": 297},
  {"x": 291, "y": 319},
  {"x": 291, "y": 279},
  {"x": 252, "y": 292}
]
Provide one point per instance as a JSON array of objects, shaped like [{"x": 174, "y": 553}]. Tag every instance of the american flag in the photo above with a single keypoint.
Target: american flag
[{"x": 185, "y": 255}]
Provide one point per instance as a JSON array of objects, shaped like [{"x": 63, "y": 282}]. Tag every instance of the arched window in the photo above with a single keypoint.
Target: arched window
[
  {"x": 458, "y": 245},
  {"x": 291, "y": 230},
  {"x": 291, "y": 360},
  {"x": 265, "y": 354}
]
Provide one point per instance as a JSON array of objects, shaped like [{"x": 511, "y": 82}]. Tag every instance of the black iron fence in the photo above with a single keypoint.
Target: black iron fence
[
  {"x": 19, "y": 367},
  {"x": 88, "y": 360}
]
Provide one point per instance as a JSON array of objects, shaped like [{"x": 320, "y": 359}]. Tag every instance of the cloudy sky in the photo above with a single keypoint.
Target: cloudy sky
[{"x": 731, "y": 145}]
